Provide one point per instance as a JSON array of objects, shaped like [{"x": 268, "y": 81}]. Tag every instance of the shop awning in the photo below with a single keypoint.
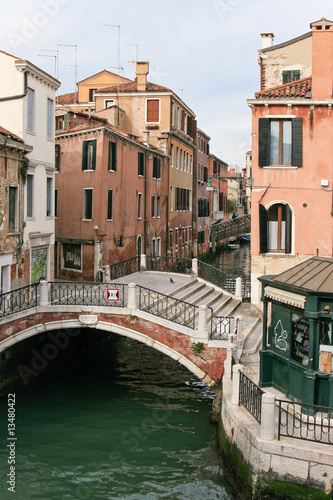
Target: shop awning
[{"x": 290, "y": 298}]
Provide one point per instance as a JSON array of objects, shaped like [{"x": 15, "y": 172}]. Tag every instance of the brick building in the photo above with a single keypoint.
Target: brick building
[{"x": 111, "y": 197}]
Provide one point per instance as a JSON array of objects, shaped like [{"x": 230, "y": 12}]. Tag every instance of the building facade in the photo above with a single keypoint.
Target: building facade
[
  {"x": 27, "y": 100},
  {"x": 292, "y": 154},
  {"x": 202, "y": 206},
  {"x": 13, "y": 164},
  {"x": 111, "y": 195}
]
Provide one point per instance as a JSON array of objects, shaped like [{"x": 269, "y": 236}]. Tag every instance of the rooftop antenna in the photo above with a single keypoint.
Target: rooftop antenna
[
  {"x": 118, "y": 27},
  {"x": 56, "y": 64},
  {"x": 136, "y": 50},
  {"x": 75, "y": 66},
  {"x": 116, "y": 67}
]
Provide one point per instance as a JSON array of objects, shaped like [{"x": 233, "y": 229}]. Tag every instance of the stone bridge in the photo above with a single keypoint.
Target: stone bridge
[{"x": 194, "y": 335}]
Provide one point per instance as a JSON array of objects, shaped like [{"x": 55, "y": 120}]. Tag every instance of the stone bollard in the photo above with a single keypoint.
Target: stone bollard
[
  {"x": 195, "y": 267},
  {"x": 268, "y": 409},
  {"x": 228, "y": 361},
  {"x": 235, "y": 383},
  {"x": 43, "y": 294},
  {"x": 202, "y": 326},
  {"x": 143, "y": 262},
  {"x": 238, "y": 293},
  {"x": 132, "y": 297}
]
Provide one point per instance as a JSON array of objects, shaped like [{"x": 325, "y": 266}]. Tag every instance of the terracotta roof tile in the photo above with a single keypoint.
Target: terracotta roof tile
[
  {"x": 132, "y": 87},
  {"x": 299, "y": 88},
  {"x": 5, "y": 132},
  {"x": 67, "y": 98}
]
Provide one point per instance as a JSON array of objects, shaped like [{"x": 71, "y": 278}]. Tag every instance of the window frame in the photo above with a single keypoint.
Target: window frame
[
  {"x": 112, "y": 156},
  {"x": 50, "y": 118},
  {"x": 85, "y": 206},
  {"x": 49, "y": 201},
  {"x": 264, "y": 141},
  {"x": 156, "y": 168},
  {"x": 86, "y": 146},
  {"x": 110, "y": 205},
  {"x": 139, "y": 205},
  {"x": 13, "y": 210},
  {"x": 30, "y": 110},
  {"x": 30, "y": 196},
  {"x": 141, "y": 164},
  {"x": 153, "y": 115}
]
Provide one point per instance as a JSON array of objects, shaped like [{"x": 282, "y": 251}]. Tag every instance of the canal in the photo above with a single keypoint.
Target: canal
[{"x": 118, "y": 421}]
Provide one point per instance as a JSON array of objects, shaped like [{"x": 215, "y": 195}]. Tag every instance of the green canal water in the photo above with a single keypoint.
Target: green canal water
[{"x": 119, "y": 421}]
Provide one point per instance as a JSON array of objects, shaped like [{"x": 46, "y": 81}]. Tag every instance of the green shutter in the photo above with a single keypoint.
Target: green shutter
[
  {"x": 263, "y": 226},
  {"x": 297, "y": 147},
  {"x": 94, "y": 155},
  {"x": 84, "y": 155},
  {"x": 288, "y": 229},
  {"x": 263, "y": 142}
]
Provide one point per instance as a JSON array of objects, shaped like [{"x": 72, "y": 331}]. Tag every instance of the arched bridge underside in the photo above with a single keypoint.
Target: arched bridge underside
[{"x": 59, "y": 326}]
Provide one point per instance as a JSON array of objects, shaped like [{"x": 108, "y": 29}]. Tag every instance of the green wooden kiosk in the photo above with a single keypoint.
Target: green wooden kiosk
[{"x": 297, "y": 350}]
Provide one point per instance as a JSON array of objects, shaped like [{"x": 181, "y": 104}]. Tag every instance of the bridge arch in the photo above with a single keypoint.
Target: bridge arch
[{"x": 68, "y": 329}]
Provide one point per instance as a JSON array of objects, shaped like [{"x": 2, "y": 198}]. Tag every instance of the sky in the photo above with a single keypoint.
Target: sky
[{"x": 206, "y": 51}]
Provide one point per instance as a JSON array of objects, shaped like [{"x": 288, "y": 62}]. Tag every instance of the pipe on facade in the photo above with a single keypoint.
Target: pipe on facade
[{"x": 20, "y": 96}]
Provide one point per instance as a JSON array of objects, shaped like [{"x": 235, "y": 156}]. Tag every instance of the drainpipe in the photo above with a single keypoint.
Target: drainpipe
[
  {"x": 20, "y": 96},
  {"x": 144, "y": 207}
]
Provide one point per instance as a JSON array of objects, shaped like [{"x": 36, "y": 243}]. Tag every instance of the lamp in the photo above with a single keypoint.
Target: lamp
[{"x": 209, "y": 186}]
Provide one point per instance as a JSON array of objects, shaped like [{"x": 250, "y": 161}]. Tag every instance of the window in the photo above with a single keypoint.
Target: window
[
  {"x": 48, "y": 196},
  {"x": 181, "y": 159},
  {"x": 158, "y": 206},
  {"x": 71, "y": 254},
  {"x": 153, "y": 206},
  {"x": 89, "y": 155},
  {"x": 171, "y": 155},
  {"x": 290, "y": 76},
  {"x": 110, "y": 204},
  {"x": 31, "y": 110},
  {"x": 91, "y": 95},
  {"x": 153, "y": 110},
  {"x": 30, "y": 179},
  {"x": 112, "y": 156},
  {"x": 172, "y": 113},
  {"x": 280, "y": 142},
  {"x": 203, "y": 207},
  {"x": 184, "y": 162},
  {"x": 178, "y": 117},
  {"x": 13, "y": 210},
  {"x": 177, "y": 157},
  {"x": 205, "y": 174},
  {"x": 139, "y": 205},
  {"x": 56, "y": 202},
  {"x": 182, "y": 199},
  {"x": 87, "y": 203},
  {"x": 50, "y": 118},
  {"x": 171, "y": 198},
  {"x": 60, "y": 123},
  {"x": 191, "y": 164},
  {"x": 57, "y": 157},
  {"x": 156, "y": 168},
  {"x": 275, "y": 228},
  {"x": 108, "y": 103},
  {"x": 141, "y": 163},
  {"x": 156, "y": 247}
]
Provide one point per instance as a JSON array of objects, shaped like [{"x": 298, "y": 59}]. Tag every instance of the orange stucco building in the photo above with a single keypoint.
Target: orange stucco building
[{"x": 292, "y": 153}]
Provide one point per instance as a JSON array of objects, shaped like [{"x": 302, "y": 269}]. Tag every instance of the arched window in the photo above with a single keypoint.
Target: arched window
[{"x": 275, "y": 228}]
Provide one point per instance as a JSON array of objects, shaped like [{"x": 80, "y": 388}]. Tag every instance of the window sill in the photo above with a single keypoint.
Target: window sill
[
  {"x": 281, "y": 167},
  {"x": 89, "y": 170},
  {"x": 86, "y": 220},
  {"x": 278, "y": 254},
  {"x": 110, "y": 170}
]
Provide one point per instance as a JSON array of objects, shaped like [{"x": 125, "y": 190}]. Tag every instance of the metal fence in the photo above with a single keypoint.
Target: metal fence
[
  {"x": 250, "y": 396},
  {"x": 217, "y": 277},
  {"x": 221, "y": 327},
  {"x": 86, "y": 294},
  {"x": 124, "y": 268},
  {"x": 169, "y": 264},
  {"x": 18, "y": 300},
  {"x": 304, "y": 421},
  {"x": 168, "y": 307}
]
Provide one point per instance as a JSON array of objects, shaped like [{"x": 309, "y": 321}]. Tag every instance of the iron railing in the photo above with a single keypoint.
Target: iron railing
[
  {"x": 217, "y": 277},
  {"x": 168, "y": 307},
  {"x": 169, "y": 264},
  {"x": 222, "y": 326},
  {"x": 305, "y": 421},
  {"x": 18, "y": 300},
  {"x": 80, "y": 293},
  {"x": 250, "y": 396},
  {"x": 124, "y": 268}
]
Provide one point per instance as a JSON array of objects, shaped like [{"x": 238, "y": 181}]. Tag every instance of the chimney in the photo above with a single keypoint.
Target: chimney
[
  {"x": 146, "y": 138},
  {"x": 267, "y": 40},
  {"x": 142, "y": 70},
  {"x": 322, "y": 59}
]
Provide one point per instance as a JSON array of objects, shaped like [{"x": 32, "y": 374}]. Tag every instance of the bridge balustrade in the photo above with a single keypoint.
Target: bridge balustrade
[
  {"x": 80, "y": 293},
  {"x": 18, "y": 300}
]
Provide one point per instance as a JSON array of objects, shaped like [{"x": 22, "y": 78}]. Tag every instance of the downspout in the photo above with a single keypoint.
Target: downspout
[
  {"x": 145, "y": 208},
  {"x": 20, "y": 96}
]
